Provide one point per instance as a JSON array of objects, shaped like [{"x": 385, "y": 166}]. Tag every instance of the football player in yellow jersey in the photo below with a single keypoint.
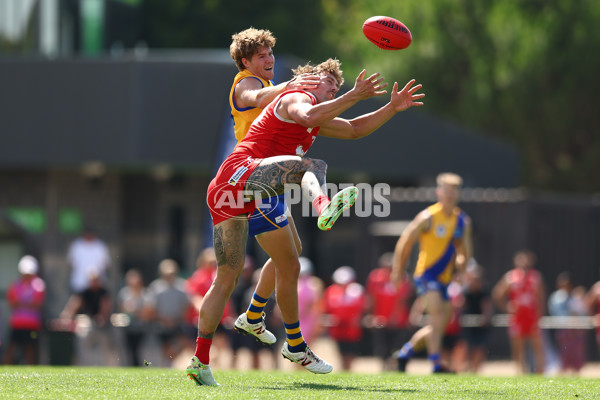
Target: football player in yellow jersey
[
  {"x": 251, "y": 91},
  {"x": 443, "y": 232}
]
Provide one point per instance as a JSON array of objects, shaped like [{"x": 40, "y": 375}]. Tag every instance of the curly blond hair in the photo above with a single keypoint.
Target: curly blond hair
[
  {"x": 246, "y": 43},
  {"x": 332, "y": 66}
]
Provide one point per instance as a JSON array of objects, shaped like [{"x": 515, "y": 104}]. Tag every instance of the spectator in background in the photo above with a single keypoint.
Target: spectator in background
[
  {"x": 521, "y": 294},
  {"x": 133, "y": 300},
  {"x": 169, "y": 303},
  {"x": 87, "y": 254},
  {"x": 451, "y": 339},
  {"x": 310, "y": 304},
  {"x": 593, "y": 304},
  {"x": 95, "y": 344},
  {"x": 345, "y": 303},
  {"x": 388, "y": 309},
  {"x": 578, "y": 308},
  {"x": 477, "y": 318},
  {"x": 238, "y": 300},
  {"x": 25, "y": 298},
  {"x": 196, "y": 287},
  {"x": 568, "y": 302},
  {"x": 558, "y": 306}
]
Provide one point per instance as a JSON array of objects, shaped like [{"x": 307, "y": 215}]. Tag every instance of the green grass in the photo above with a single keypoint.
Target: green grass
[{"x": 46, "y": 382}]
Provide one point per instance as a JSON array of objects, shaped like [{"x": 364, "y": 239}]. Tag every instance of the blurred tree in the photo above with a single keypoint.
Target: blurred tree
[
  {"x": 210, "y": 24},
  {"x": 524, "y": 71},
  {"x": 521, "y": 70}
]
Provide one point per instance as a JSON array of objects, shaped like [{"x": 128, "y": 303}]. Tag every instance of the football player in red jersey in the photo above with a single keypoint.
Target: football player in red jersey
[
  {"x": 522, "y": 295},
  {"x": 270, "y": 157}
]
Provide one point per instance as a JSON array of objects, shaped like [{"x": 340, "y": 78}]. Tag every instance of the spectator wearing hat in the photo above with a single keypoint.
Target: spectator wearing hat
[
  {"x": 25, "y": 298},
  {"x": 345, "y": 302}
]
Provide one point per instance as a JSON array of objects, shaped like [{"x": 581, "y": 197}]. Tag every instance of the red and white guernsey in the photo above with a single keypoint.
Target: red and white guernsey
[{"x": 269, "y": 135}]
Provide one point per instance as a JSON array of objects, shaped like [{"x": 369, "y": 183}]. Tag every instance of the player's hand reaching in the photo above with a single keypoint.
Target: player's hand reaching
[
  {"x": 304, "y": 82},
  {"x": 369, "y": 87},
  {"x": 406, "y": 98}
]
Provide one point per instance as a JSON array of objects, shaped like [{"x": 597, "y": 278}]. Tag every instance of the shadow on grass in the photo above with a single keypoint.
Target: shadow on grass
[{"x": 346, "y": 388}]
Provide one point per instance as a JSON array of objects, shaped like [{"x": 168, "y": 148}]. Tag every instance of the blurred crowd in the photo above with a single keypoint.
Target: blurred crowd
[{"x": 371, "y": 318}]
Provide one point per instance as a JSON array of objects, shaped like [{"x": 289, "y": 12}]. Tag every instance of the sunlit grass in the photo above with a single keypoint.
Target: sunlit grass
[{"x": 46, "y": 382}]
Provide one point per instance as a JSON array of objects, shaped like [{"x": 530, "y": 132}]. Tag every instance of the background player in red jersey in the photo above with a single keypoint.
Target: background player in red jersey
[
  {"x": 388, "y": 309},
  {"x": 522, "y": 295},
  {"x": 270, "y": 157}
]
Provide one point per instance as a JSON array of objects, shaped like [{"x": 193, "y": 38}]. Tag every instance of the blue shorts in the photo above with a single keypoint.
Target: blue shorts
[
  {"x": 425, "y": 285},
  {"x": 269, "y": 216}
]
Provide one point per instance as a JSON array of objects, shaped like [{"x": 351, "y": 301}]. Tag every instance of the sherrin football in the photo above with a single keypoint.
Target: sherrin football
[{"x": 387, "y": 33}]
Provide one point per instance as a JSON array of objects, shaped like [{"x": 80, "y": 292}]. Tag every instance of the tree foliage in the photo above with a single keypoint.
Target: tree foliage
[
  {"x": 524, "y": 71},
  {"x": 210, "y": 23}
]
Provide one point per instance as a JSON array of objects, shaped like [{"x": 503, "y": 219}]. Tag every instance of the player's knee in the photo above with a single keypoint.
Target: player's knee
[
  {"x": 227, "y": 279},
  {"x": 291, "y": 269},
  {"x": 319, "y": 164}
]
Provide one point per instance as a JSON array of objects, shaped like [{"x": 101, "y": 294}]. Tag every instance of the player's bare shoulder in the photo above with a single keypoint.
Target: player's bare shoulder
[
  {"x": 421, "y": 222},
  {"x": 294, "y": 105}
]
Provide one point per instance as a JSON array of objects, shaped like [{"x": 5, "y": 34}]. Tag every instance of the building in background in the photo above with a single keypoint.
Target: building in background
[{"x": 126, "y": 140}]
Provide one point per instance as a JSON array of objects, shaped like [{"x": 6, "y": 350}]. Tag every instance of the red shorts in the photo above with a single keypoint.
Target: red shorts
[
  {"x": 519, "y": 328},
  {"x": 225, "y": 197}
]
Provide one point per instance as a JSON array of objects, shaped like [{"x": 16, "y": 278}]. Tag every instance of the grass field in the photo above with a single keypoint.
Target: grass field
[{"x": 46, "y": 382}]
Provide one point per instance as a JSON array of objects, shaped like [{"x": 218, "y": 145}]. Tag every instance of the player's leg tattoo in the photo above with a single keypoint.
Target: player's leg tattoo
[
  {"x": 229, "y": 241},
  {"x": 313, "y": 181},
  {"x": 277, "y": 172}
]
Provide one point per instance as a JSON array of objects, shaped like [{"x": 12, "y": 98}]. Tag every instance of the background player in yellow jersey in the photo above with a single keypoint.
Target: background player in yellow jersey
[{"x": 443, "y": 232}]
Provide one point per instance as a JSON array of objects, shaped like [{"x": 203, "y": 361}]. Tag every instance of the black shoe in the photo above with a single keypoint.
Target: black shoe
[{"x": 402, "y": 364}]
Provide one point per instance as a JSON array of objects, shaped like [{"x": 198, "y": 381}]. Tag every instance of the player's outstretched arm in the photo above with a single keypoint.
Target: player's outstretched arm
[
  {"x": 323, "y": 112},
  {"x": 366, "y": 124},
  {"x": 407, "y": 97}
]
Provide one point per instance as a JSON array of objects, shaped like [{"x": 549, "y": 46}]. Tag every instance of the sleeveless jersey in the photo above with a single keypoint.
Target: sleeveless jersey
[
  {"x": 243, "y": 116},
  {"x": 271, "y": 135},
  {"x": 523, "y": 288},
  {"x": 437, "y": 246},
  {"x": 268, "y": 136}
]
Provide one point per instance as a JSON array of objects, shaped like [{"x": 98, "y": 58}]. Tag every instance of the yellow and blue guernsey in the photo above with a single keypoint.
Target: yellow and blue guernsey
[
  {"x": 271, "y": 214},
  {"x": 437, "y": 248},
  {"x": 244, "y": 116}
]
